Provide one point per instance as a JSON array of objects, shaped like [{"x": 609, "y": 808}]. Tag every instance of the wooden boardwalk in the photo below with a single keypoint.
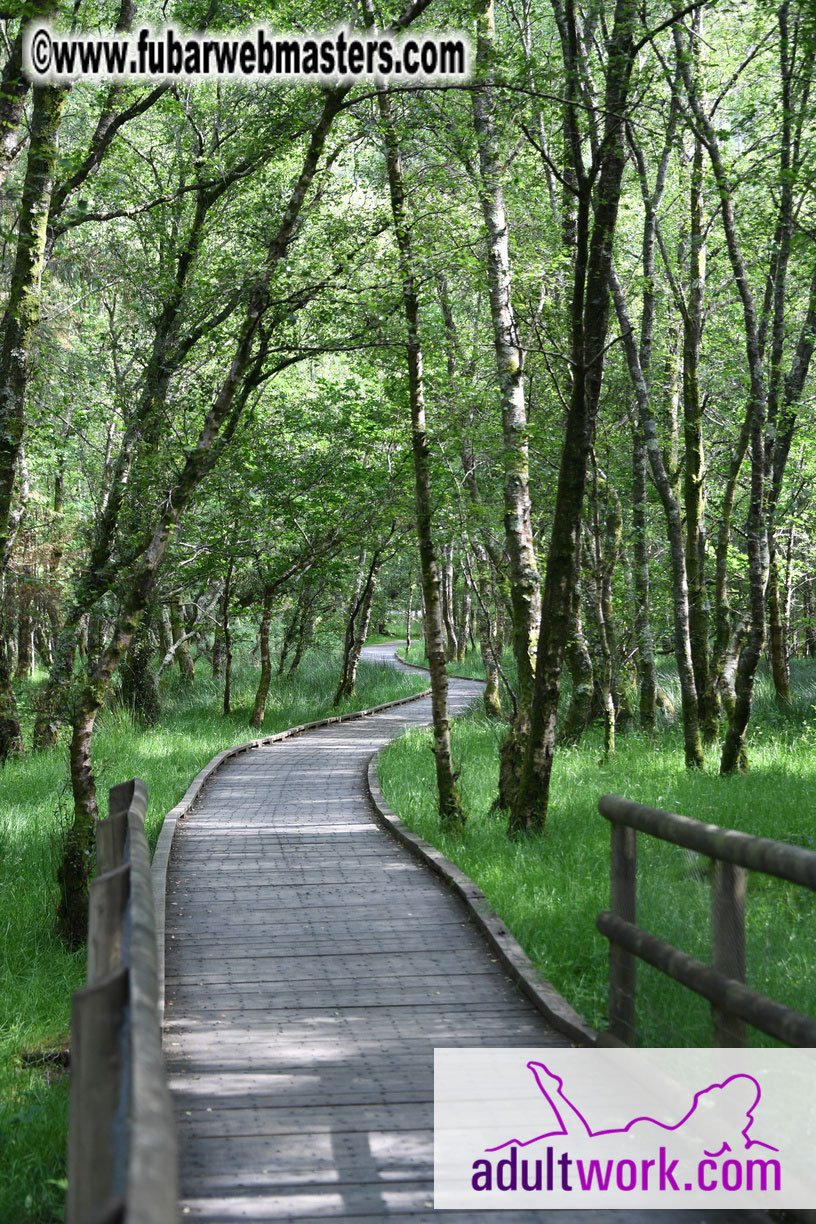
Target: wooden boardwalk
[{"x": 312, "y": 965}]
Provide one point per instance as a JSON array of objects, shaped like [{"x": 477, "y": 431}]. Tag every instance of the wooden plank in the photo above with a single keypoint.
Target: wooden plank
[
  {"x": 312, "y": 966},
  {"x": 107, "y": 898},
  {"x": 784, "y": 1023},
  {"x": 95, "y": 1133},
  {"x": 778, "y": 859}
]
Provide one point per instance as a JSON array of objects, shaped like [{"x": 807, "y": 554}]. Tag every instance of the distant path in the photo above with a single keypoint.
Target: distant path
[{"x": 312, "y": 965}]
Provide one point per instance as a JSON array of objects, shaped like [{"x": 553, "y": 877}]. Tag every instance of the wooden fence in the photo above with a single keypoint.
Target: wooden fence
[
  {"x": 723, "y": 983},
  {"x": 122, "y": 1159}
]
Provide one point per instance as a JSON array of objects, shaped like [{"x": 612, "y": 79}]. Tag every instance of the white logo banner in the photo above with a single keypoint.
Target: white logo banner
[{"x": 614, "y": 1128}]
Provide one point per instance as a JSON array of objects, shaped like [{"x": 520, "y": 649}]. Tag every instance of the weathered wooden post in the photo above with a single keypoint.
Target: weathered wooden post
[
  {"x": 728, "y": 944},
  {"x": 121, "y": 1139},
  {"x": 623, "y": 903}
]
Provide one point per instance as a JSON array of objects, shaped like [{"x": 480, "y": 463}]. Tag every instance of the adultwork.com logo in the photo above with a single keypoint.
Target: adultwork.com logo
[
  {"x": 723, "y": 1112},
  {"x": 592, "y": 1128}
]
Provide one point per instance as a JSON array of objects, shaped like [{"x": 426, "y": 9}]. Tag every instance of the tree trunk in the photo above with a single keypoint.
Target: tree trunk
[
  {"x": 525, "y": 597},
  {"x": 183, "y": 657},
  {"x": 694, "y": 466},
  {"x": 589, "y": 322},
  {"x": 641, "y": 583},
  {"x": 218, "y": 653},
  {"x": 357, "y": 629},
  {"x": 463, "y": 623},
  {"x": 11, "y": 738},
  {"x": 579, "y": 665},
  {"x": 18, "y": 328},
  {"x": 259, "y": 709},
  {"x": 226, "y": 629},
  {"x": 305, "y": 627},
  {"x": 25, "y": 629},
  {"x": 600, "y": 606},
  {"x": 408, "y": 616},
  {"x": 756, "y": 533},
  {"x": 668, "y": 497},
  {"x": 777, "y": 632},
  {"x": 487, "y": 643},
  {"x": 42, "y": 644},
  {"x": 452, "y": 645},
  {"x": 289, "y": 629},
  {"x": 450, "y": 807}
]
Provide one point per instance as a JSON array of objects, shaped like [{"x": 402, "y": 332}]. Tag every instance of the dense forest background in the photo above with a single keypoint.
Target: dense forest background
[{"x": 524, "y": 364}]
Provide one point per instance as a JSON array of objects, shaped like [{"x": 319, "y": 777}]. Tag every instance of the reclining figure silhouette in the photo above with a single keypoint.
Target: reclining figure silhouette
[{"x": 720, "y": 1115}]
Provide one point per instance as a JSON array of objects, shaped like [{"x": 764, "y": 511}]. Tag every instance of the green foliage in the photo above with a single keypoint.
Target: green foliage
[{"x": 549, "y": 890}]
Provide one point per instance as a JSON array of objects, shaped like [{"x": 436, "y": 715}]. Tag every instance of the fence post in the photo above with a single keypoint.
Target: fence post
[
  {"x": 728, "y": 944},
  {"x": 96, "y": 1143},
  {"x": 623, "y": 903},
  {"x": 107, "y": 901}
]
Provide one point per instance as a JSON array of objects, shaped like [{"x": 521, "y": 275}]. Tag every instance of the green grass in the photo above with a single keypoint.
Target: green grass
[
  {"x": 549, "y": 889},
  {"x": 37, "y": 974}
]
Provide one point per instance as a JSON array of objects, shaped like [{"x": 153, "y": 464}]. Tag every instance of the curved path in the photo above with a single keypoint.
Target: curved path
[{"x": 311, "y": 967}]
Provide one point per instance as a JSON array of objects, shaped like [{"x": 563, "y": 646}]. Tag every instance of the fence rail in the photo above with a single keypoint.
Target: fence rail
[
  {"x": 723, "y": 983},
  {"x": 122, "y": 1160}
]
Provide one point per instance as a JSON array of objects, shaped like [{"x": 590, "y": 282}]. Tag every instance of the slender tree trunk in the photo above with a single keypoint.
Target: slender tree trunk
[
  {"x": 408, "y": 616},
  {"x": 694, "y": 466},
  {"x": 10, "y": 734},
  {"x": 18, "y": 328},
  {"x": 351, "y": 615},
  {"x": 357, "y": 627},
  {"x": 777, "y": 632},
  {"x": 13, "y": 90},
  {"x": 227, "y": 632},
  {"x": 641, "y": 582},
  {"x": 218, "y": 653},
  {"x": 259, "y": 709},
  {"x": 183, "y": 657},
  {"x": 525, "y": 598},
  {"x": 756, "y": 541},
  {"x": 451, "y": 646},
  {"x": 164, "y": 631},
  {"x": 25, "y": 627},
  {"x": 668, "y": 496},
  {"x": 463, "y": 623},
  {"x": 588, "y": 327},
  {"x": 600, "y": 607},
  {"x": 305, "y": 627},
  {"x": 582, "y": 675},
  {"x": 42, "y": 645},
  {"x": 487, "y": 642},
  {"x": 450, "y": 807},
  {"x": 289, "y": 629}
]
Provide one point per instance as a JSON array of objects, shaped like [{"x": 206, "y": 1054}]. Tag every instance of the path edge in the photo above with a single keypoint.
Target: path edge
[
  {"x": 161, "y": 855},
  {"x": 541, "y": 993},
  {"x": 451, "y": 675}
]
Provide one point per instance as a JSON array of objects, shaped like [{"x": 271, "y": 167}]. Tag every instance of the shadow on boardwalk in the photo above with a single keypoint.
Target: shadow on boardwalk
[{"x": 312, "y": 965}]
